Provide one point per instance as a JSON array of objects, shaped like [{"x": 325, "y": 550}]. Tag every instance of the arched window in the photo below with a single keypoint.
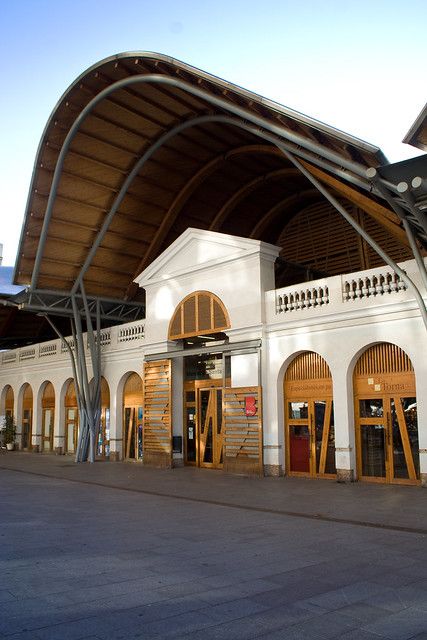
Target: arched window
[{"x": 199, "y": 313}]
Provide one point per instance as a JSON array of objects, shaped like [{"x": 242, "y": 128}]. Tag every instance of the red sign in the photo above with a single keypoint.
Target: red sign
[{"x": 250, "y": 406}]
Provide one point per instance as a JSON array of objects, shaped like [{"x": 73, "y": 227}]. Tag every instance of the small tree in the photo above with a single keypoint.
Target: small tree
[{"x": 9, "y": 429}]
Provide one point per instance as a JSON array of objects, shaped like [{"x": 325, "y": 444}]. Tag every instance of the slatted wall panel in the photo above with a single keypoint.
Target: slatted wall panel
[
  {"x": 200, "y": 312},
  {"x": 307, "y": 366},
  {"x": 321, "y": 239},
  {"x": 242, "y": 433},
  {"x": 383, "y": 358},
  {"x": 157, "y": 414},
  {"x": 132, "y": 393}
]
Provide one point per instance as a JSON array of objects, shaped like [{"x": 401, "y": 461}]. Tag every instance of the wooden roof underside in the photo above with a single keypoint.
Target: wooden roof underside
[{"x": 210, "y": 176}]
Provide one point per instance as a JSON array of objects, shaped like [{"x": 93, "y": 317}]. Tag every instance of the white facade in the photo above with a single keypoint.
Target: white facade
[{"x": 337, "y": 317}]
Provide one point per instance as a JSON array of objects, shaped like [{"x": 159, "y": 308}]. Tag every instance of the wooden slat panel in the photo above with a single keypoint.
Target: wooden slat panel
[
  {"x": 242, "y": 433},
  {"x": 307, "y": 366},
  {"x": 157, "y": 434},
  {"x": 200, "y": 312},
  {"x": 383, "y": 358}
]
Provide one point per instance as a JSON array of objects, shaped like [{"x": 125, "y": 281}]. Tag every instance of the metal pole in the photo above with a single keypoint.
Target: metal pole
[
  {"x": 73, "y": 366},
  {"x": 362, "y": 232},
  {"x": 83, "y": 369}
]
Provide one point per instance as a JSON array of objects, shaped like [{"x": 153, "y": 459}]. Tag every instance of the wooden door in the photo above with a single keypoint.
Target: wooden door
[
  {"x": 386, "y": 417},
  {"x": 209, "y": 427},
  {"x": 309, "y": 417}
]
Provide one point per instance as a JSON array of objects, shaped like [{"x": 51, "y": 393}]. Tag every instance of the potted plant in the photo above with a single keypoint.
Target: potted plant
[{"x": 9, "y": 431}]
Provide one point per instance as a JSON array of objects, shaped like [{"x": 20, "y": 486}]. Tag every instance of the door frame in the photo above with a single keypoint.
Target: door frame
[
  {"x": 385, "y": 419},
  {"x": 310, "y": 400},
  {"x": 197, "y": 386}
]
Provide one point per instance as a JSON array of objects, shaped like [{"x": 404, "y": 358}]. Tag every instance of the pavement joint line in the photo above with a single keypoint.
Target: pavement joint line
[{"x": 232, "y": 505}]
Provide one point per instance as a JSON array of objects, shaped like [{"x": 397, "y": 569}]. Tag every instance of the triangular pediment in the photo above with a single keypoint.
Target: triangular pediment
[{"x": 198, "y": 249}]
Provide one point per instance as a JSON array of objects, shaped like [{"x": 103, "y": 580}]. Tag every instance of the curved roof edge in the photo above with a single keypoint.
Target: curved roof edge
[
  {"x": 249, "y": 95},
  {"x": 417, "y": 134}
]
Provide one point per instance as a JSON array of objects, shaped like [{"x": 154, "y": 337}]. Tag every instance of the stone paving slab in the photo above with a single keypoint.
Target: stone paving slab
[{"x": 116, "y": 551}]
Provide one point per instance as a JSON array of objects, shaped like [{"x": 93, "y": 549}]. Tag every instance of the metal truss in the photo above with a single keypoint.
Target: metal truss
[{"x": 58, "y": 303}]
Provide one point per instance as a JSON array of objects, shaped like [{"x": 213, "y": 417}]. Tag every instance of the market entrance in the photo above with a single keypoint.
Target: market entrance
[
  {"x": 386, "y": 416},
  {"x": 203, "y": 423},
  {"x": 309, "y": 417}
]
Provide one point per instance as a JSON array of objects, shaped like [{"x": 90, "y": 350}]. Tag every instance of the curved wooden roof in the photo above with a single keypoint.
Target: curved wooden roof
[{"x": 214, "y": 166}]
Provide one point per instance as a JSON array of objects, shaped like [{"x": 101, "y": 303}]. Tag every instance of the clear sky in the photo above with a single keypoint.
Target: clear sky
[{"x": 358, "y": 65}]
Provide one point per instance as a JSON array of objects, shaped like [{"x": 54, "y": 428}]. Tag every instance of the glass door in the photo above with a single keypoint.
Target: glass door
[
  {"x": 132, "y": 434},
  {"x": 209, "y": 425},
  {"x": 71, "y": 429},
  {"x": 190, "y": 427},
  {"x": 388, "y": 439},
  {"x": 103, "y": 448},
  {"x": 311, "y": 437},
  {"x": 299, "y": 437},
  {"x": 26, "y": 429},
  {"x": 47, "y": 430}
]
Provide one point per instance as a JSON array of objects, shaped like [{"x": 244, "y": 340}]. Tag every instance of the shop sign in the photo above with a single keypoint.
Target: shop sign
[{"x": 250, "y": 406}]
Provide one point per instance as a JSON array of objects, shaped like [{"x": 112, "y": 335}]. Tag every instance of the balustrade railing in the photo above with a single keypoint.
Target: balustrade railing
[
  {"x": 47, "y": 349},
  {"x": 295, "y": 300},
  {"x": 376, "y": 284},
  {"x": 133, "y": 332},
  {"x": 27, "y": 354},
  {"x": 8, "y": 356}
]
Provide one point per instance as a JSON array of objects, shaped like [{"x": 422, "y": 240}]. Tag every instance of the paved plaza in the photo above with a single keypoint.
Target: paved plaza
[{"x": 117, "y": 551}]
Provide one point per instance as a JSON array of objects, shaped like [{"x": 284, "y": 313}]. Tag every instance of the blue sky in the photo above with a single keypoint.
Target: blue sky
[{"x": 358, "y": 65}]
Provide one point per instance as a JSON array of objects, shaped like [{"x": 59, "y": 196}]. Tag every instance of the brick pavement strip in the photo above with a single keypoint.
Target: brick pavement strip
[{"x": 92, "y": 553}]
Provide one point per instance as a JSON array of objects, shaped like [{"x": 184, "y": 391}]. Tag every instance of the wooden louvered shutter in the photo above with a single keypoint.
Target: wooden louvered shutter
[
  {"x": 242, "y": 432},
  {"x": 157, "y": 444}
]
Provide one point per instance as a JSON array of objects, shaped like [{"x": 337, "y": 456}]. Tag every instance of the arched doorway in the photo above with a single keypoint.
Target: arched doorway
[
  {"x": 386, "y": 416},
  {"x": 27, "y": 418},
  {"x": 199, "y": 318},
  {"x": 132, "y": 418},
  {"x": 9, "y": 400},
  {"x": 71, "y": 419},
  {"x": 48, "y": 412},
  {"x": 103, "y": 446},
  {"x": 309, "y": 417}
]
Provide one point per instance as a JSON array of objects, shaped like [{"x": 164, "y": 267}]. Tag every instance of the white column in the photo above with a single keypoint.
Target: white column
[{"x": 345, "y": 453}]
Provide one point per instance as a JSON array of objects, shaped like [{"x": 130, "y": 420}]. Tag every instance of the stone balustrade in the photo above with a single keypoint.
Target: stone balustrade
[{"x": 343, "y": 294}]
